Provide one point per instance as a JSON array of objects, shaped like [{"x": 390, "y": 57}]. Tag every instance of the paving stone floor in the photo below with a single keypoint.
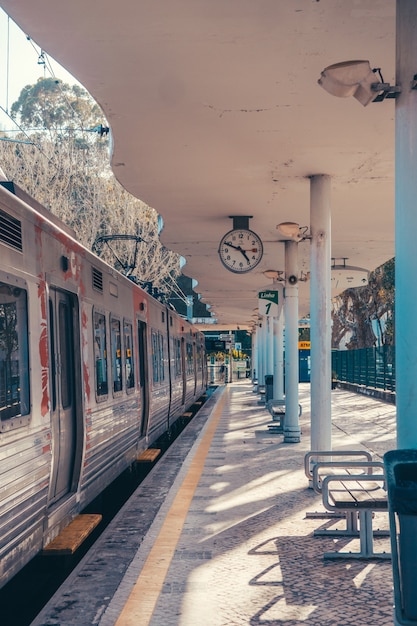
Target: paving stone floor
[{"x": 246, "y": 554}]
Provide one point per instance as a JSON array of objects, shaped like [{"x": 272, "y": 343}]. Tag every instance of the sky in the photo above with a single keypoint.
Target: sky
[{"x": 19, "y": 66}]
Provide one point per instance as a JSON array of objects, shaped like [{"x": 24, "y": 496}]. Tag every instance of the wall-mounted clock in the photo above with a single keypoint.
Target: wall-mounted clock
[{"x": 240, "y": 250}]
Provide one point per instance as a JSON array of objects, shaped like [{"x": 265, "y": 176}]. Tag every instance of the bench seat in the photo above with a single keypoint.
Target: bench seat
[{"x": 358, "y": 495}]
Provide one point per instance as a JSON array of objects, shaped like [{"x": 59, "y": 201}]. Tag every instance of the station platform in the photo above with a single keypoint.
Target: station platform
[{"x": 218, "y": 532}]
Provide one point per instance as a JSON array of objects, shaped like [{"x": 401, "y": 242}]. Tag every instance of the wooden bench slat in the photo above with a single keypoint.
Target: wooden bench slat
[
  {"x": 73, "y": 535},
  {"x": 149, "y": 455},
  {"x": 356, "y": 494}
]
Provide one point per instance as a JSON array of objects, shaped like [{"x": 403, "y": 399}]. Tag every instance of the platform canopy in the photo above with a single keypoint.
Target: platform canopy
[{"x": 215, "y": 111}]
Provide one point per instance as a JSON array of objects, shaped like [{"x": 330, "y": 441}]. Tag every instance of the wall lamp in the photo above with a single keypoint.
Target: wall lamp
[
  {"x": 275, "y": 275},
  {"x": 357, "y": 79},
  {"x": 293, "y": 231}
]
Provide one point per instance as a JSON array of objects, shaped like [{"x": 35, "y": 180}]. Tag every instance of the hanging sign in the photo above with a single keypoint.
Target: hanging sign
[{"x": 270, "y": 302}]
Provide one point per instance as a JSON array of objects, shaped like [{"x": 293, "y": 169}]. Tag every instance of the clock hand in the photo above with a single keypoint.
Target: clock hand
[
  {"x": 245, "y": 255},
  {"x": 228, "y": 243}
]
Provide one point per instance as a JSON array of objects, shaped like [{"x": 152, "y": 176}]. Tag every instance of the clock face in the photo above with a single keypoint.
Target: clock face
[{"x": 240, "y": 250}]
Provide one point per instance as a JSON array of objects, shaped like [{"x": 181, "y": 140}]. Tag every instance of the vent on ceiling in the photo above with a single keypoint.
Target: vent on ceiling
[
  {"x": 10, "y": 231},
  {"x": 97, "y": 279}
]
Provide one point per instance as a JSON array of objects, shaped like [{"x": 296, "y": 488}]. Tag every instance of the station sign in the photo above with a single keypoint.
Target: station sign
[{"x": 270, "y": 302}]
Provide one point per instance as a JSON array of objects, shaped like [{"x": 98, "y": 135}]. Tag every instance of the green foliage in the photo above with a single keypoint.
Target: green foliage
[{"x": 52, "y": 105}]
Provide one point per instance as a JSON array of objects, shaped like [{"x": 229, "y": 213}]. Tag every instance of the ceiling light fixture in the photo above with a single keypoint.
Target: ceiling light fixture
[
  {"x": 357, "y": 79},
  {"x": 274, "y": 275},
  {"x": 293, "y": 231}
]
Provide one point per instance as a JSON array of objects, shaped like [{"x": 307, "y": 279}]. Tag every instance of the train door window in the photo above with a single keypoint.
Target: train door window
[
  {"x": 129, "y": 363},
  {"x": 116, "y": 354},
  {"x": 66, "y": 343},
  {"x": 199, "y": 359},
  {"x": 190, "y": 364},
  {"x": 161, "y": 358},
  {"x": 100, "y": 353},
  {"x": 155, "y": 356},
  {"x": 53, "y": 355},
  {"x": 178, "y": 368},
  {"x": 14, "y": 355}
]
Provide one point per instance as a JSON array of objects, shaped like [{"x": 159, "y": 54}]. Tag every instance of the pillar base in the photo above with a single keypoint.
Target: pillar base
[{"x": 292, "y": 434}]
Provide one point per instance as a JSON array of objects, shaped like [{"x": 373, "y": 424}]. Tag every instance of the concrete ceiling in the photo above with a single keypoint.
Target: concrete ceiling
[{"x": 215, "y": 111}]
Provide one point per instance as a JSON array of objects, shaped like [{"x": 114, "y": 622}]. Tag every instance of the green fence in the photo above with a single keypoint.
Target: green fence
[{"x": 371, "y": 367}]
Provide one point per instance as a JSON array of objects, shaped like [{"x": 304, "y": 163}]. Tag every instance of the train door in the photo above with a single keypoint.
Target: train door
[
  {"x": 143, "y": 376},
  {"x": 63, "y": 352}
]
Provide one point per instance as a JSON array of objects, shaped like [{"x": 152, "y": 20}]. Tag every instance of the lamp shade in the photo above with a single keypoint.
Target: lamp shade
[
  {"x": 349, "y": 78},
  {"x": 290, "y": 230}
]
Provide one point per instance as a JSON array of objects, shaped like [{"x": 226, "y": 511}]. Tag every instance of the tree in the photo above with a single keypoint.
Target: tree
[
  {"x": 66, "y": 168},
  {"x": 359, "y": 311},
  {"x": 55, "y": 106}
]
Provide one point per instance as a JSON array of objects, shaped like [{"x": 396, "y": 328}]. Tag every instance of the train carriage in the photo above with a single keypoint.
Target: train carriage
[{"x": 92, "y": 371}]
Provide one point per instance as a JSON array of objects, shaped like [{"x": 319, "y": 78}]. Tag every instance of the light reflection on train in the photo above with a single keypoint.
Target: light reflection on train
[{"x": 92, "y": 371}]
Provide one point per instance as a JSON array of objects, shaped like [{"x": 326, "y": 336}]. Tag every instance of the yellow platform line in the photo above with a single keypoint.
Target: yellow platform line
[{"x": 143, "y": 598}]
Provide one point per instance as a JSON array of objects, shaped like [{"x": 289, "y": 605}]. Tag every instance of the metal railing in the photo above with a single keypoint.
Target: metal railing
[{"x": 370, "y": 367}]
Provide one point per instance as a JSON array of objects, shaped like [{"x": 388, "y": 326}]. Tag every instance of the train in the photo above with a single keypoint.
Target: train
[{"x": 93, "y": 370}]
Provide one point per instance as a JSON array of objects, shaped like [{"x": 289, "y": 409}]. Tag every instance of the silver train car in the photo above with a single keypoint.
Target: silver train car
[{"x": 92, "y": 371}]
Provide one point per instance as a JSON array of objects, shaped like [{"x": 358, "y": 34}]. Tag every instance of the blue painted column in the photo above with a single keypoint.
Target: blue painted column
[
  {"x": 320, "y": 313},
  {"x": 406, "y": 225}
]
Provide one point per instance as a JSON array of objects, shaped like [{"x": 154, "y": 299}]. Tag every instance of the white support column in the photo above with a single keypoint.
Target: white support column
[
  {"x": 406, "y": 225},
  {"x": 261, "y": 353},
  {"x": 279, "y": 357},
  {"x": 270, "y": 340},
  {"x": 320, "y": 312},
  {"x": 292, "y": 432},
  {"x": 254, "y": 363}
]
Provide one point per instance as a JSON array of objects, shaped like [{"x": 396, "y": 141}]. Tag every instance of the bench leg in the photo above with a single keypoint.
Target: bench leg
[
  {"x": 351, "y": 530},
  {"x": 365, "y": 541}
]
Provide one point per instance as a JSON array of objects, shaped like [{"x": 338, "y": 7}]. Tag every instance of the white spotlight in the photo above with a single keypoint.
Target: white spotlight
[
  {"x": 292, "y": 230},
  {"x": 350, "y": 78}
]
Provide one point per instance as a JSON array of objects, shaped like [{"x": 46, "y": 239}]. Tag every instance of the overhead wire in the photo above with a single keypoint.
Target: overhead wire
[{"x": 7, "y": 63}]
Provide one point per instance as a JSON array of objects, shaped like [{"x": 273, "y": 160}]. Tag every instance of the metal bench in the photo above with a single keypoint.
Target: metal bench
[
  {"x": 357, "y": 494},
  {"x": 350, "y": 496},
  {"x": 311, "y": 459},
  {"x": 314, "y": 457},
  {"x": 277, "y": 410}
]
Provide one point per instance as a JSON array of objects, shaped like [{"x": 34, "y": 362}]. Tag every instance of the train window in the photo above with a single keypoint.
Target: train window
[
  {"x": 190, "y": 360},
  {"x": 158, "y": 356},
  {"x": 129, "y": 363},
  {"x": 14, "y": 353},
  {"x": 100, "y": 353},
  {"x": 116, "y": 354}
]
